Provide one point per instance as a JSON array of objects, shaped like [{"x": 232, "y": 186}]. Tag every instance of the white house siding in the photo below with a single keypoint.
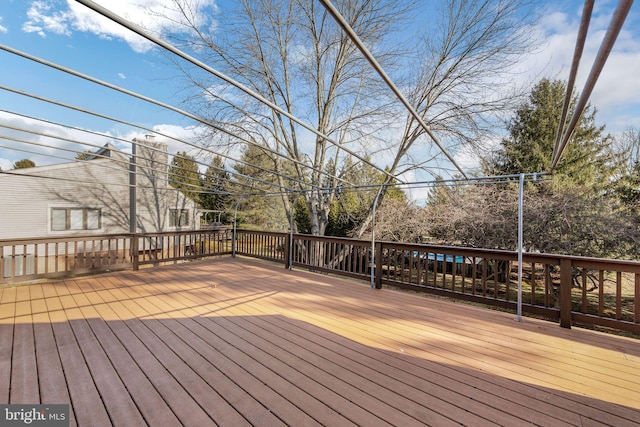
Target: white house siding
[{"x": 102, "y": 183}]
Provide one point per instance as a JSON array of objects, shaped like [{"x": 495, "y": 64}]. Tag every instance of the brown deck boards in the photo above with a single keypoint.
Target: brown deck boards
[{"x": 235, "y": 342}]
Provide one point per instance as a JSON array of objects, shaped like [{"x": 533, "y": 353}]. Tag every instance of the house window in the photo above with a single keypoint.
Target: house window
[
  {"x": 178, "y": 217},
  {"x": 65, "y": 219}
]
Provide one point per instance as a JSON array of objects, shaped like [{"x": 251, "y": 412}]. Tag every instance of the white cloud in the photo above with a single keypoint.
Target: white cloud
[
  {"x": 188, "y": 134},
  {"x": 3, "y": 30},
  {"x": 122, "y": 76},
  {"x": 618, "y": 88},
  {"x": 42, "y": 149},
  {"x": 5, "y": 164},
  {"x": 45, "y": 150},
  {"x": 157, "y": 16},
  {"x": 42, "y": 18}
]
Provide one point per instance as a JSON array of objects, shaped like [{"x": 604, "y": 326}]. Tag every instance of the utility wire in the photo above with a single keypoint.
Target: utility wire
[
  {"x": 207, "y": 149},
  {"x": 142, "y": 169},
  {"x": 155, "y": 102},
  {"x": 126, "y": 162},
  {"x": 483, "y": 180},
  {"x": 134, "y": 28},
  {"x": 99, "y": 183}
]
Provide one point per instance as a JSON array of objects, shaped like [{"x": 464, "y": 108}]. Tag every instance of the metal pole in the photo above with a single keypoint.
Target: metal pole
[
  {"x": 372, "y": 264},
  {"x": 132, "y": 189},
  {"x": 133, "y": 207},
  {"x": 577, "y": 54},
  {"x": 376, "y": 66},
  {"x": 134, "y": 28},
  {"x": 617, "y": 20},
  {"x": 235, "y": 228},
  {"x": 291, "y": 240},
  {"x": 520, "y": 244}
]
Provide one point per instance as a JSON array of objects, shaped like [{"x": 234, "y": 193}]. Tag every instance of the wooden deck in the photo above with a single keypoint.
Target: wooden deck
[{"x": 237, "y": 342}]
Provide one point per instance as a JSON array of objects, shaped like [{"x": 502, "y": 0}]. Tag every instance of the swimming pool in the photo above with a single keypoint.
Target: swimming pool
[{"x": 458, "y": 259}]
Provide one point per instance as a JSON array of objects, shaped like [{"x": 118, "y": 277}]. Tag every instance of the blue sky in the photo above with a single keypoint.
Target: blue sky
[{"x": 69, "y": 34}]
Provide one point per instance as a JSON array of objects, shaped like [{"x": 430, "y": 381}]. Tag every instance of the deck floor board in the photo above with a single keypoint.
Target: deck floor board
[{"x": 234, "y": 342}]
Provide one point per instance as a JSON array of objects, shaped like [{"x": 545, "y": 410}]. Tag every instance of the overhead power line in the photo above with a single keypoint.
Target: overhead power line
[
  {"x": 158, "y": 103},
  {"x": 23, "y": 172},
  {"x": 143, "y": 170}
]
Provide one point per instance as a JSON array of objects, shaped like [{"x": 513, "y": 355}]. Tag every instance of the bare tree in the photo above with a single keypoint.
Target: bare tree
[
  {"x": 626, "y": 186},
  {"x": 573, "y": 221},
  {"x": 400, "y": 221},
  {"x": 484, "y": 216},
  {"x": 461, "y": 82},
  {"x": 295, "y": 55},
  {"x": 627, "y": 149}
]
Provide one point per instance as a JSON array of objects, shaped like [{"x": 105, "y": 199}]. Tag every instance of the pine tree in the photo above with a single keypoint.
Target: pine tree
[
  {"x": 351, "y": 205},
  {"x": 185, "y": 176},
  {"x": 532, "y": 135},
  {"x": 256, "y": 211},
  {"x": 215, "y": 186},
  {"x": 23, "y": 164}
]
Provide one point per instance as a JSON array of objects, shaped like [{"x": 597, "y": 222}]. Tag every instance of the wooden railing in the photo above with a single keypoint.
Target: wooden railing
[
  {"x": 30, "y": 259},
  {"x": 262, "y": 244},
  {"x": 569, "y": 289},
  {"x": 156, "y": 248},
  {"x": 572, "y": 289},
  {"x": 346, "y": 257}
]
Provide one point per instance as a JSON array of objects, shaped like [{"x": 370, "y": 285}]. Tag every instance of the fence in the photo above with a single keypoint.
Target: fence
[
  {"x": 565, "y": 288},
  {"x": 262, "y": 244},
  {"x": 29, "y": 259},
  {"x": 569, "y": 289}
]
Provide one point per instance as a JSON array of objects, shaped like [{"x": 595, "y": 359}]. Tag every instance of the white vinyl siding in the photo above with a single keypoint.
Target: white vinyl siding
[{"x": 103, "y": 192}]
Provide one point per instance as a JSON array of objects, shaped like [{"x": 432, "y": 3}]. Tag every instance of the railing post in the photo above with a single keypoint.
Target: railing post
[
  {"x": 234, "y": 241},
  {"x": 565, "y": 293},
  {"x": 135, "y": 253},
  {"x": 378, "y": 265},
  {"x": 287, "y": 251}
]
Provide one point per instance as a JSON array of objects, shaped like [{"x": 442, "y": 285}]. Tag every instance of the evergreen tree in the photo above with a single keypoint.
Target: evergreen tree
[
  {"x": 215, "y": 186},
  {"x": 532, "y": 135},
  {"x": 23, "y": 164},
  {"x": 351, "y": 205},
  {"x": 184, "y": 175},
  {"x": 302, "y": 216},
  {"x": 256, "y": 211},
  {"x": 580, "y": 213}
]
